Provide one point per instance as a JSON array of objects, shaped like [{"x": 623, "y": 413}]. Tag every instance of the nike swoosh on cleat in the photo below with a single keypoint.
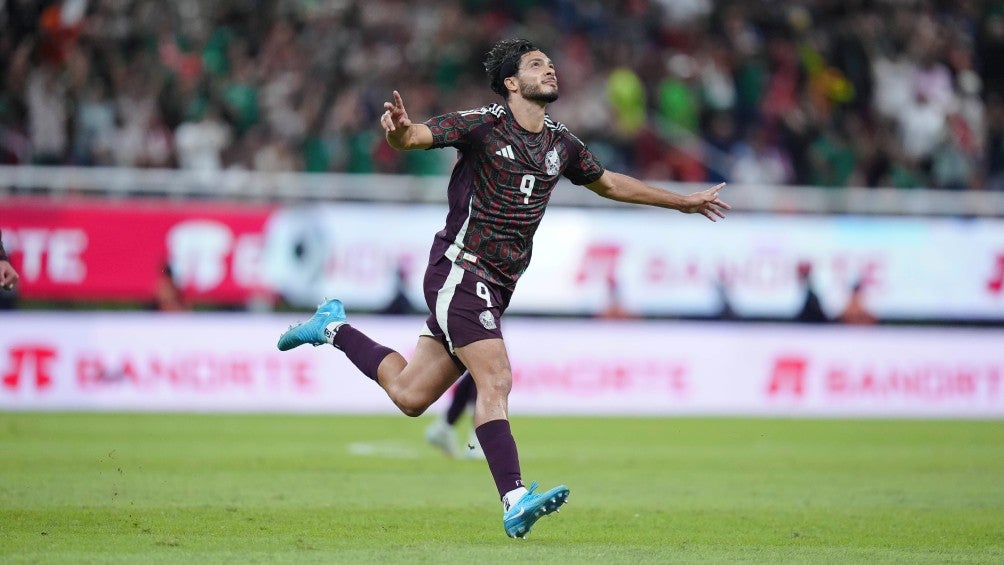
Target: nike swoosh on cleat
[{"x": 518, "y": 514}]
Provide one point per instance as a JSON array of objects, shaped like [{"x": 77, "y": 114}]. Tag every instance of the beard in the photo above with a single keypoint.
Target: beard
[{"x": 536, "y": 93}]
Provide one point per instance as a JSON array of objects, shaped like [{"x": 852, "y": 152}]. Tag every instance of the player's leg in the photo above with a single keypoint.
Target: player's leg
[
  {"x": 463, "y": 394},
  {"x": 465, "y": 397},
  {"x": 488, "y": 362},
  {"x": 413, "y": 386},
  {"x": 466, "y": 311}
]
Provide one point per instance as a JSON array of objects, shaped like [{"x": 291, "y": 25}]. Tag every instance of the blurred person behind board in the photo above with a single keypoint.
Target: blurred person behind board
[
  {"x": 615, "y": 308},
  {"x": 8, "y": 280},
  {"x": 856, "y": 312},
  {"x": 811, "y": 311},
  {"x": 722, "y": 286},
  {"x": 167, "y": 295},
  {"x": 400, "y": 304}
]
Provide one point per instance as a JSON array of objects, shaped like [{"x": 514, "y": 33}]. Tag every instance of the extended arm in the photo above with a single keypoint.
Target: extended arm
[
  {"x": 401, "y": 133},
  {"x": 624, "y": 188}
]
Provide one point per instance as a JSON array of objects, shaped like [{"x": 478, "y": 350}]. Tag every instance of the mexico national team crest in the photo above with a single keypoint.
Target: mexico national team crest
[
  {"x": 487, "y": 320},
  {"x": 553, "y": 162}
]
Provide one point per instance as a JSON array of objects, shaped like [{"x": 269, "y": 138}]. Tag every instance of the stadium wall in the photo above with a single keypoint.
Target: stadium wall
[{"x": 133, "y": 361}]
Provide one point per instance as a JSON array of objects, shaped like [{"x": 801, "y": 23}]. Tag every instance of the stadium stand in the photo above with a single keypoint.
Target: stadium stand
[{"x": 831, "y": 94}]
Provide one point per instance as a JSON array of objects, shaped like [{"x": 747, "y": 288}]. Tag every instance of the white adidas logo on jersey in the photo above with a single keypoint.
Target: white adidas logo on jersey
[{"x": 506, "y": 152}]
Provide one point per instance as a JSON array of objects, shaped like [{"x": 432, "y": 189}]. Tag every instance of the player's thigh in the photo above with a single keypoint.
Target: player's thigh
[{"x": 430, "y": 372}]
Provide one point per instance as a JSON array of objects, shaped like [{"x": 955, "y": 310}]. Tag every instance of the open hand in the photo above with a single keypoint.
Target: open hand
[{"x": 708, "y": 204}]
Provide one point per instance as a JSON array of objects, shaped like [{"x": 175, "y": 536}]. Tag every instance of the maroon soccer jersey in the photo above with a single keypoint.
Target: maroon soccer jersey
[{"x": 500, "y": 187}]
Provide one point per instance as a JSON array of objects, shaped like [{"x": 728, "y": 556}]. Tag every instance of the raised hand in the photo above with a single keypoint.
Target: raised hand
[
  {"x": 707, "y": 203},
  {"x": 395, "y": 115},
  {"x": 401, "y": 133}
]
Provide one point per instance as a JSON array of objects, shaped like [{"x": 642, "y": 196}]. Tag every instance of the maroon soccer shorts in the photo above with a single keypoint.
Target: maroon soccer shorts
[{"x": 465, "y": 307}]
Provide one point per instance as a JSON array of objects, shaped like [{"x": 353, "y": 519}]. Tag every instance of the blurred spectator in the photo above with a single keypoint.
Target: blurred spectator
[
  {"x": 626, "y": 94},
  {"x": 882, "y": 93},
  {"x": 811, "y": 311},
  {"x": 276, "y": 155},
  {"x": 48, "y": 124},
  {"x": 8, "y": 280},
  {"x": 678, "y": 103},
  {"x": 758, "y": 161},
  {"x": 167, "y": 295},
  {"x": 200, "y": 143},
  {"x": 832, "y": 159},
  {"x": 400, "y": 304},
  {"x": 95, "y": 125},
  {"x": 722, "y": 288},
  {"x": 921, "y": 124},
  {"x": 614, "y": 309},
  {"x": 995, "y": 143},
  {"x": 856, "y": 312}
]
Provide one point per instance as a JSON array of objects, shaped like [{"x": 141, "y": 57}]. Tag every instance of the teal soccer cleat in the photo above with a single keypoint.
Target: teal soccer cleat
[
  {"x": 317, "y": 330},
  {"x": 521, "y": 516}
]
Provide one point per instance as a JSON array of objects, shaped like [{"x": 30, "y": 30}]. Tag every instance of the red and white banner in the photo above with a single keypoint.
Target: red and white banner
[
  {"x": 70, "y": 249},
  {"x": 663, "y": 263},
  {"x": 228, "y": 362}
]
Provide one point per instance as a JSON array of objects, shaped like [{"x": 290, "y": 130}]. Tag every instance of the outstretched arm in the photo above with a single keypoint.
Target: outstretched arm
[
  {"x": 400, "y": 131},
  {"x": 624, "y": 188}
]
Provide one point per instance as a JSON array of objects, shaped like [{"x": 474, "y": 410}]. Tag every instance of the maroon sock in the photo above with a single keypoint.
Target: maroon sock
[
  {"x": 500, "y": 451},
  {"x": 362, "y": 351}
]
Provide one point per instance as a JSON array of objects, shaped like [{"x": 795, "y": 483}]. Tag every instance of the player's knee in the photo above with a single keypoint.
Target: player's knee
[
  {"x": 413, "y": 411},
  {"x": 499, "y": 387},
  {"x": 412, "y": 406}
]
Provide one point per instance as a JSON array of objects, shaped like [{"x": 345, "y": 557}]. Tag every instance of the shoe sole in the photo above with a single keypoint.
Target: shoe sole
[{"x": 290, "y": 340}]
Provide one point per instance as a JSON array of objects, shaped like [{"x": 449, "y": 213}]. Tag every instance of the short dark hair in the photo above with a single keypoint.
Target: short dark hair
[{"x": 502, "y": 62}]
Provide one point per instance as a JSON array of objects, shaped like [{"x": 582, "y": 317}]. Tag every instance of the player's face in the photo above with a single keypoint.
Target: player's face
[{"x": 537, "y": 78}]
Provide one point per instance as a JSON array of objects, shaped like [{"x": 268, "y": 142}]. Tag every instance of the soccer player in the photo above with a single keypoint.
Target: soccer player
[
  {"x": 8, "y": 276},
  {"x": 441, "y": 433},
  {"x": 511, "y": 155}
]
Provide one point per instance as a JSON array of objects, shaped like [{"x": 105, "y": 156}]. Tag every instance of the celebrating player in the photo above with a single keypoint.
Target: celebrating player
[{"x": 511, "y": 156}]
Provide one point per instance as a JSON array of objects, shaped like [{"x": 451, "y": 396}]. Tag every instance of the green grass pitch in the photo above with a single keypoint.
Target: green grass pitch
[{"x": 130, "y": 488}]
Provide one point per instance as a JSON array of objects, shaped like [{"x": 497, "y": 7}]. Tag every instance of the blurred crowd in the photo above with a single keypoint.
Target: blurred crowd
[{"x": 892, "y": 93}]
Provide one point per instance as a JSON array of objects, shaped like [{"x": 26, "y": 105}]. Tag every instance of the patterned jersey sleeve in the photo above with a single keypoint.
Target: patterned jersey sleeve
[
  {"x": 454, "y": 129},
  {"x": 583, "y": 167}
]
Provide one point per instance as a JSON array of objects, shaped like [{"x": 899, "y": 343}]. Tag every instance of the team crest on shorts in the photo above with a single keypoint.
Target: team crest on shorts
[
  {"x": 487, "y": 320},
  {"x": 552, "y": 162}
]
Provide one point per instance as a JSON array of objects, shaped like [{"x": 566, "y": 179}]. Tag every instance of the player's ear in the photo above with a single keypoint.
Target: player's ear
[{"x": 511, "y": 84}]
